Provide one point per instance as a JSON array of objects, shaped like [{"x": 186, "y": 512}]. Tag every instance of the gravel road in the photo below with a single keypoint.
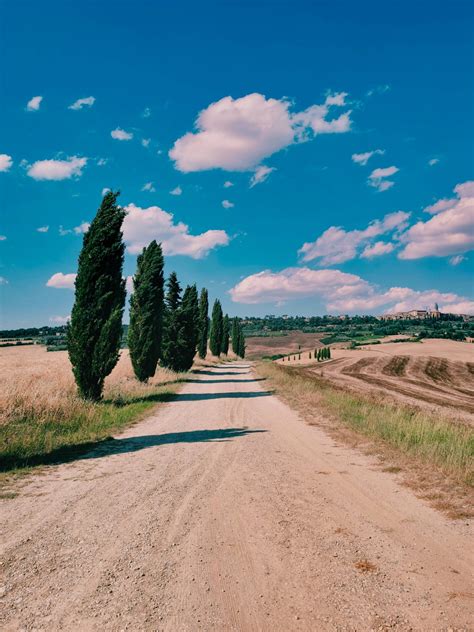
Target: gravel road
[{"x": 225, "y": 511}]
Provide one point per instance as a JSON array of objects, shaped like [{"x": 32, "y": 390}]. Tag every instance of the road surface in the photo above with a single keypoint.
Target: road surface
[{"x": 225, "y": 511}]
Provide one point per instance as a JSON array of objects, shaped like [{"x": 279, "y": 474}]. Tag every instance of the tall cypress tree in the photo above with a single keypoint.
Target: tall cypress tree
[
  {"x": 146, "y": 312},
  {"x": 189, "y": 317},
  {"x": 242, "y": 343},
  {"x": 95, "y": 331},
  {"x": 225, "y": 335},
  {"x": 217, "y": 324},
  {"x": 203, "y": 323},
  {"x": 172, "y": 331},
  {"x": 235, "y": 335}
]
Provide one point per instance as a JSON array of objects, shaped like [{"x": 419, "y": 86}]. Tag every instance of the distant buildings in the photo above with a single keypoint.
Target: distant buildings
[{"x": 419, "y": 314}]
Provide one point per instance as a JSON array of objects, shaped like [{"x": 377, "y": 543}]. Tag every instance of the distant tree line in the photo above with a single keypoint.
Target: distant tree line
[{"x": 167, "y": 325}]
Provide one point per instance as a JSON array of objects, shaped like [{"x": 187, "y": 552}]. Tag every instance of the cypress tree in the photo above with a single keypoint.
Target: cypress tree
[
  {"x": 235, "y": 335},
  {"x": 217, "y": 326},
  {"x": 146, "y": 312},
  {"x": 95, "y": 331},
  {"x": 203, "y": 323},
  {"x": 241, "y": 343},
  {"x": 189, "y": 318},
  {"x": 329, "y": 353},
  {"x": 225, "y": 335},
  {"x": 172, "y": 331}
]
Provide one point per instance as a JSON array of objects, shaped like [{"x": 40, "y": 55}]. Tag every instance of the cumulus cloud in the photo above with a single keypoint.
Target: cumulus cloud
[
  {"x": 433, "y": 161},
  {"x": 6, "y": 162},
  {"x": 142, "y": 225},
  {"x": 82, "y": 103},
  {"x": 149, "y": 187},
  {"x": 456, "y": 260},
  {"x": 33, "y": 104},
  {"x": 377, "y": 249},
  {"x": 57, "y": 169},
  {"x": 146, "y": 142},
  {"x": 82, "y": 228},
  {"x": 449, "y": 232},
  {"x": 363, "y": 159},
  {"x": 121, "y": 134},
  {"x": 261, "y": 174},
  {"x": 62, "y": 281},
  {"x": 3, "y": 281},
  {"x": 129, "y": 284},
  {"x": 59, "y": 320},
  {"x": 378, "y": 178},
  {"x": 237, "y": 134},
  {"x": 337, "y": 245},
  {"x": 2, "y": 237},
  {"x": 176, "y": 191},
  {"x": 227, "y": 204},
  {"x": 104, "y": 191},
  {"x": 341, "y": 292},
  {"x": 228, "y": 184},
  {"x": 43, "y": 229}
]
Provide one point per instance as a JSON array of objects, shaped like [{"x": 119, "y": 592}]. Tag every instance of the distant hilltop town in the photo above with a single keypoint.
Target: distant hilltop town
[{"x": 422, "y": 314}]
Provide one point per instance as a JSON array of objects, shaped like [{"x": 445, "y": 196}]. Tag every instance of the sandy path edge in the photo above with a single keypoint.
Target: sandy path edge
[{"x": 225, "y": 511}]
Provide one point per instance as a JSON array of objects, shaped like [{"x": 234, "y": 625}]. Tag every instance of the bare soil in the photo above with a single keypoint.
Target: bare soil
[
  {"x": 225, "y": 511},
  {"x": 433, "y": 374},
  {"x": 259, "y": 346}
]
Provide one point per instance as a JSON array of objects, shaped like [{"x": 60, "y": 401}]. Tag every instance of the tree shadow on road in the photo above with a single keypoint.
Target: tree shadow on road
[
  {"x": 108, "y": 446},
  {"x": 219, "y": 373},
  {"x": 194, "y": 397},
  {"x": 255, "y": 379}
]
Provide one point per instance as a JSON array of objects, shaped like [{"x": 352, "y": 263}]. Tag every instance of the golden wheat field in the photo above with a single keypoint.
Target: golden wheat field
[{"x": 38, "y": 384}]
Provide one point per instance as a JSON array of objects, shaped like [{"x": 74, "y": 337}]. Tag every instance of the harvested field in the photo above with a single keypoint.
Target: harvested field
[
  {"x": 435, "y": 374},
  {"x": 289, "y": 343}
]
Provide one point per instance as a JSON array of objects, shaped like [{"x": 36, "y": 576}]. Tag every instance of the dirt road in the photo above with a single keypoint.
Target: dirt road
[{"x": 225, "y": 511}]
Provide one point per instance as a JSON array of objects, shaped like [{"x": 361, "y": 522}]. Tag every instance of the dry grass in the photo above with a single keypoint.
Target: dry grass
[
  {"x": 434, "y": 454},
  {"x": 365, "y": 566},
  {"x": 41, "y": 414}
]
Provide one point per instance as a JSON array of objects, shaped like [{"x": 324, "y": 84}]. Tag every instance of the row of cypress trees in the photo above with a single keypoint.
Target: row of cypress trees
[{"x": 165, "y": 326}]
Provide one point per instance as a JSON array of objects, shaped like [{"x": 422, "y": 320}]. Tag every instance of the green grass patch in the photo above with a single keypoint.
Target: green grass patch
[{"x": 29, "y": 440}]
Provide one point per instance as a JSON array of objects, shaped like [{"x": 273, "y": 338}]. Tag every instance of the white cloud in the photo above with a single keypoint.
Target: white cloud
[
  {"x": 64, "y": 231},
  {"x": 363, "y": 159},
  {"x": 142, "y": 225},
  {"x": 57, "y": 169},
  {"x": 292, "y": 283},
  {"x": 449, "y": 232},
  {"x": 6, "y": 162},
  {"x": 337, "y": 245},
  {"x": 121, "y": 134},
  {"x": 102, "y": 162},
  {"x": 33, "y": 104},
  {"x": 385, "y": 87},
  {"x": 43, "y": 229},
  {"x": 228, "y": 184},
  {"x": 227, "y": 204},
  {"x": 149, "y": 187},
  {"x": 145, "y": 142},
  {"x": 62, "y": 281},
  {"x": 456, "y": 260},
  {"x": 81, "y": 103},
  {"x": 59, "y": 320},
  {"x": 82, "y": 228},
  {"x": 129, "y": 284},
  {"x": 3, "y": 238},
  {"x": 176, "y": 191},
  {"x": 237, "y": 134},
  {"x": 433, "y": 161},
  {"x": 378, "y": 178},
  {"x": 377, "y": 249},
  {"x": 3, "y": 281},
  {"x": 146, "y": 113},
  {"x": 261, "y": 174},
  {"x": 104, "y": 191},
  {"x": 341, "y": 292}
]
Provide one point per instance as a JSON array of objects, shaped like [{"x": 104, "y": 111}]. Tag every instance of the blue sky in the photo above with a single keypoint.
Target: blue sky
[{"x": 286, "y": 101}]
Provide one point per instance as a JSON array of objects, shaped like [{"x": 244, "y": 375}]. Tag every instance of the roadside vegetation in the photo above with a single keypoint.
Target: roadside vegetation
[{"x": 438, "y": 446}]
